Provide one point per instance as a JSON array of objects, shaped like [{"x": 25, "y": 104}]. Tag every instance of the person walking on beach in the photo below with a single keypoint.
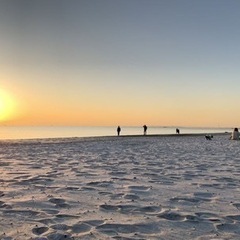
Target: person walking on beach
[
  {"x": 144, "y": 130},
  {"x": 235, "y": 134},
  {"x": 118, "y": 130}
]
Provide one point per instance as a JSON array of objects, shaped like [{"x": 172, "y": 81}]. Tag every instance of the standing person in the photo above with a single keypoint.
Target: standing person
[
  {"x": 235, "y": 134},
  {"x": 177, "y": 131},
  {"x": 144, "y": 130},
  {"x": 118, "y": 130}
]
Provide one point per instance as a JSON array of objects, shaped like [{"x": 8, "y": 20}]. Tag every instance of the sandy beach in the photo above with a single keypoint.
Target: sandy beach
[{"x": 120, "y": 188}]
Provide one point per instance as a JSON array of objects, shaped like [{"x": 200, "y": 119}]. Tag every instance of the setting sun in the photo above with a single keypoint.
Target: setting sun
[{"x": 7, "y": 106}]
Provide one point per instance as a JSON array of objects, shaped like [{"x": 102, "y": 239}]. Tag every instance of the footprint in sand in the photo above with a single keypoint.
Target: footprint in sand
[
  {"x": 185, "y": 200},
  {"x": 116, "y": 196},
  {"x": 237, "y": 205},
  {"x": 233, "y": 218},
  {"x": 125, "y": 209},
  {"x": 62, "y": 227},
  {"x": 106, "y": 207},
  {"x": 230, "y": 228},
  {"x": 81, "y": 228},
  {"x": 94, "y": 223},
  {"x": 131, "y": 197},
  {"x": 46, "y": 221},
  {"x": 171, "y": 216},
  {"x": 196, "y": 198},
  {"x": 204, "y": 195},
  {"x": 50, "y": 211},
  {"x": 150, "y": 209},
  {"x": 2, "y": 204},
  {"x": 149, "y": 228},
  {"x": 39, "y": 230},
  {"x": 58, "y": 236},
  {"x": 59, "y": 202},
  {"x": 56, "y": 200},
  {"x": 64, "y": 217},
  {"x": 212, "y": 217}
]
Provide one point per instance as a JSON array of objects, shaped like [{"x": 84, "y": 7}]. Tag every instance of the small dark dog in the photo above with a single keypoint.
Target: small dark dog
[{"x": 209, "y": 137}]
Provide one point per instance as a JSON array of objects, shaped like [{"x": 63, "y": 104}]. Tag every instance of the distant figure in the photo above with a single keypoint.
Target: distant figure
[
  {"x": 177, "y": 131},
  {"x": 118, "y": 130},
  {"x": 144, "y": 130},
  {"x": 235, "y": 134},
  {"x": 209, "y": 137}
]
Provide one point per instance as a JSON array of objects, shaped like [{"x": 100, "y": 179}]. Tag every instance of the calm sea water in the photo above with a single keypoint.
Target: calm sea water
[{"x": 63, "y": 132}]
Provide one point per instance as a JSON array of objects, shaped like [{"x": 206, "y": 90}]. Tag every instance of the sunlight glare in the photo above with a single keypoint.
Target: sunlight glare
[{"x": 6, "y": 106}]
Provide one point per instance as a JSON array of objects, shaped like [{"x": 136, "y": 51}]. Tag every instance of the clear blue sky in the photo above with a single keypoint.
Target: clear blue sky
[{"x": 108, "y": 62}]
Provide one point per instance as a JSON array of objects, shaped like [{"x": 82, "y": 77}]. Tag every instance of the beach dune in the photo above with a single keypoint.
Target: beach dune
[{"x": 120, "y": 188}]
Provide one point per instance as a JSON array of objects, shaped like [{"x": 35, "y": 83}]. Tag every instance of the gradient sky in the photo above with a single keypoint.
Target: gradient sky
[{"x": 120, "y": 62}]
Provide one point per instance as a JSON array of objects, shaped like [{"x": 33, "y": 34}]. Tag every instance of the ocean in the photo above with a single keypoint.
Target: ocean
[{"x": 33, "y": 132}]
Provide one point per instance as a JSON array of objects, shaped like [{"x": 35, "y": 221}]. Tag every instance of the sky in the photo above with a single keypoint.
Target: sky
[{"x": 121, "y": 62}]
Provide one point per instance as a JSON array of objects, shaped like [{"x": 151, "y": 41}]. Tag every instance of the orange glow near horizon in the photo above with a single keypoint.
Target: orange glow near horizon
[{"x": 36, "y": 103}]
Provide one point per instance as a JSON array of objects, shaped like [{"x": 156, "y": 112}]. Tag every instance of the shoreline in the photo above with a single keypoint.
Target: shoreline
[
  {"x": 117, "y": 137},
  {"x": 177, "y": 135},
  {"x": 39, "y": 132}
]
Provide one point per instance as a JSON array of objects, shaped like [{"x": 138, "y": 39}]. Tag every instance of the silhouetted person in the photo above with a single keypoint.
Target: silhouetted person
[
  {"x": 118, "y": 130},
  {"x": 177, "y": 131},
  {"x": 144, "y": 130},
  {"x": 235, "y": 134}
]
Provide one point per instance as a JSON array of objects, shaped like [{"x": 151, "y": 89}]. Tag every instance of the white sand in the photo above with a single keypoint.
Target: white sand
[{"x": 120, "y": 188}]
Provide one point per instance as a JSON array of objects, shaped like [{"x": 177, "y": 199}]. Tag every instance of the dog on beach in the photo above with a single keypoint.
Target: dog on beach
[{"x": 209, "y": 137}]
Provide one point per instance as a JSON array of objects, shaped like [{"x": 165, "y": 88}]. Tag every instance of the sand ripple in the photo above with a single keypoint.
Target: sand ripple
[{"x": 120, "y": 188}]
